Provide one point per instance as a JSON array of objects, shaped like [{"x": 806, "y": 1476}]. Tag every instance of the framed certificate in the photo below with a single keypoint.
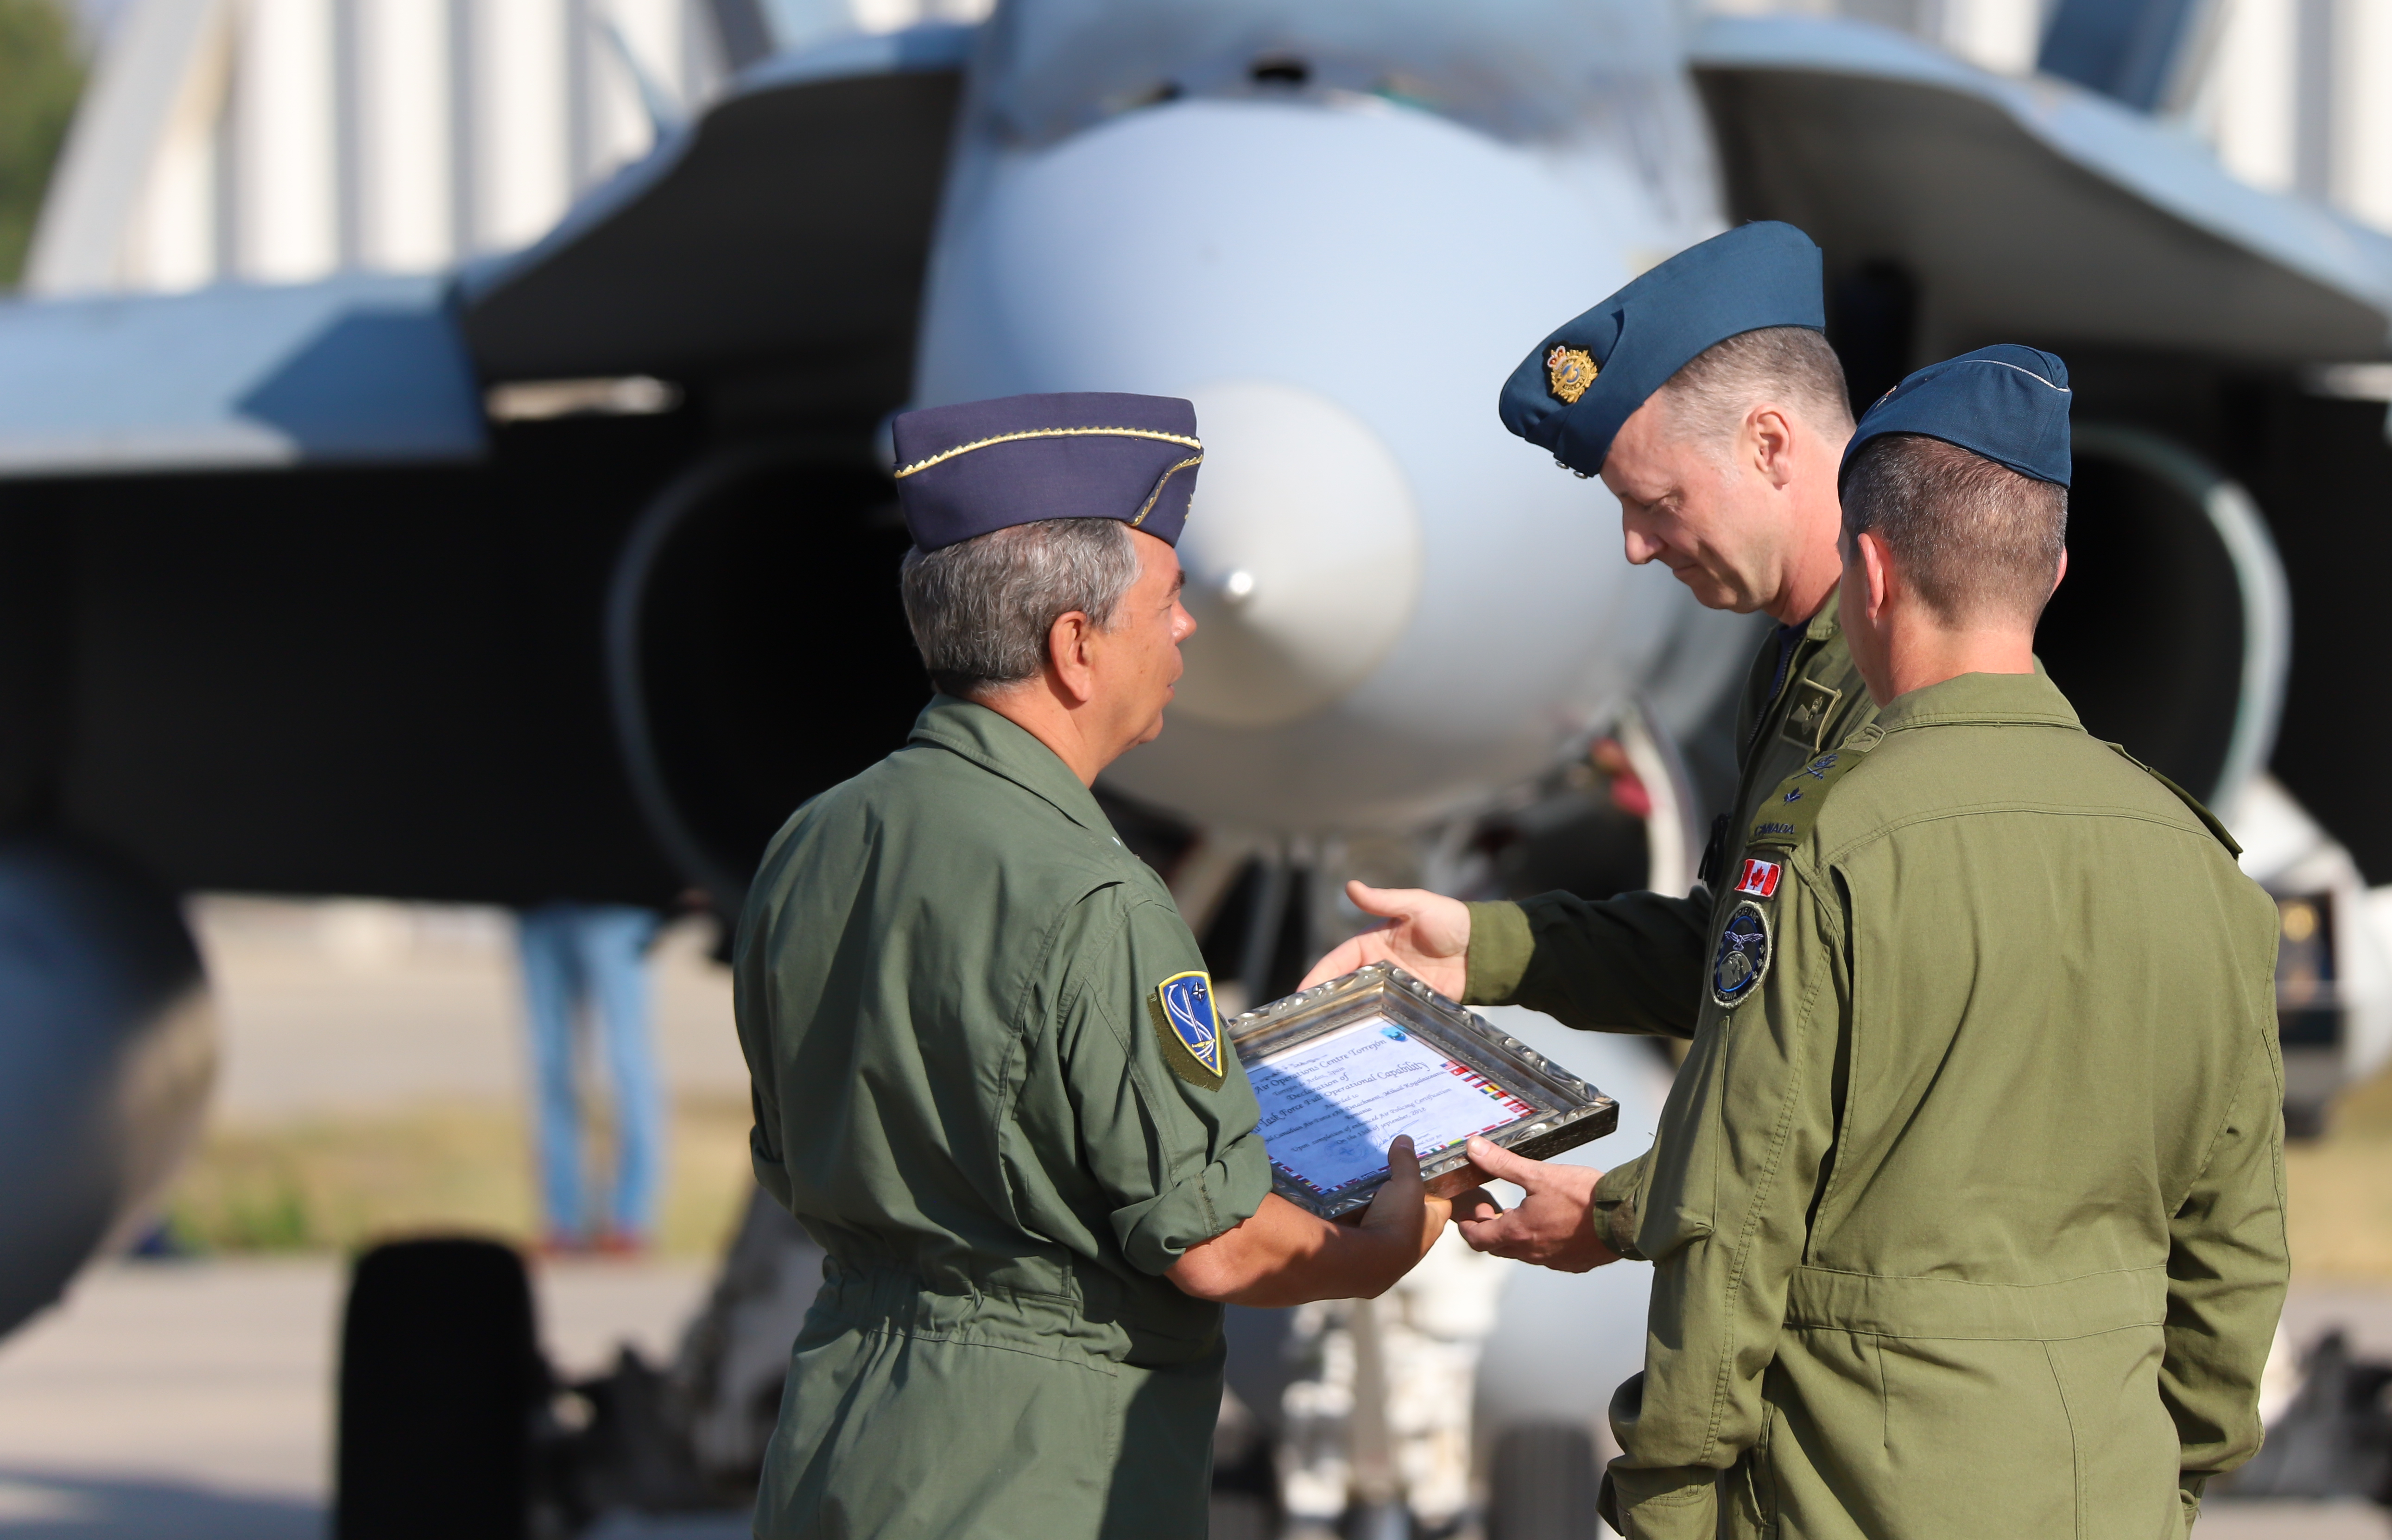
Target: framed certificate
[{"x": 1344, "y": 1066}]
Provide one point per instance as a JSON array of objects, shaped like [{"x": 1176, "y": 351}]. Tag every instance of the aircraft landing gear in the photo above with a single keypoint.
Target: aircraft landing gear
[
  {"x": 441, "y": 1382},
  {"x": 453, "y": 1424},
  {"x": 1544, "y": 1482}
]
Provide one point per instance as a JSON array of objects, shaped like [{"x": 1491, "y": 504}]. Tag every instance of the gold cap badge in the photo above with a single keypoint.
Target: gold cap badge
[{"x": 1572, "y": 369}]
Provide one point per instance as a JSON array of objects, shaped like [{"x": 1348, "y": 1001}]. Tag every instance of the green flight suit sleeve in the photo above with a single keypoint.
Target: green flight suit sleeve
[
  {"x": 1618, "y": 1198},
  {"x": 2227, "y": 1269},
  {"x": 751, "y": 988},
  {"x": 1178, "y": 1162},
  {"x": 763, "y": 1151},
  {"x": 1724, "y": 1201},
  {"x": 1632, "y": 963}
]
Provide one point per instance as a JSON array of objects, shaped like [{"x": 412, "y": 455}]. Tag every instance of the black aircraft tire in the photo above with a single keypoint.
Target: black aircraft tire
[
  {"x": 439, "y": 1379},
  {"x": 1544, "y": 1483},
  {"x": 1239, "y": 1516}
]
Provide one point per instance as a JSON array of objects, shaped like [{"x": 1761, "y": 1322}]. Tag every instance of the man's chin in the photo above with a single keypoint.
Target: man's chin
[{"x": 1712, "y": 594}]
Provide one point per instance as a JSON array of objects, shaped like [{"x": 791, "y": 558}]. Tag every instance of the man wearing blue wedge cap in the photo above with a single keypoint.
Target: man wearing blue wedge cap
[
  {"x": 1966, "y": 1212},
  {"x": 988, "y": 1073},
  {"x": 1706, "y": 397}
]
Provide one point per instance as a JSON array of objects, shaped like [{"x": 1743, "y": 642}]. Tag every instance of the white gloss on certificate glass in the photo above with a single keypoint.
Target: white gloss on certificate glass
[{"x": 1331, "y": 1107}]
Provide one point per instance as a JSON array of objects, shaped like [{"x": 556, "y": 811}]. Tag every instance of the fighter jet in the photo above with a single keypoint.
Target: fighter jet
[{"x": 572, "y": 572}]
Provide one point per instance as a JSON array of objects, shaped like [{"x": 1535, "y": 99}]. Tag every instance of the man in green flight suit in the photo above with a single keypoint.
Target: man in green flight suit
[
  {"x": 1967, "y": 1210},
  {"x": 987, "y": 1072},
  {"x": 1706, "y": 396}
]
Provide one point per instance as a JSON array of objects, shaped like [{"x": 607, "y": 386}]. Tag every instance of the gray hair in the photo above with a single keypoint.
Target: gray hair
[
  {"x": 981, "y": 609},
  {"x": 1978, "y": 540},
  {"x": 1790, "y": 365}
]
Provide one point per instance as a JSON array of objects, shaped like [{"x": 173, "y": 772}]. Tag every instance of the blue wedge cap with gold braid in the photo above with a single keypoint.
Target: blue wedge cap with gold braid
[
  {"x": 2006, "y": 402},
  {"x": 1572, "y": 394},
  {"x": 980, "y": 466}
]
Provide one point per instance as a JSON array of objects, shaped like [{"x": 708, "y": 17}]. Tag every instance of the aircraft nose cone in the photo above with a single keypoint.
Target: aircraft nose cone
[{"x": 1303, "y": 553}]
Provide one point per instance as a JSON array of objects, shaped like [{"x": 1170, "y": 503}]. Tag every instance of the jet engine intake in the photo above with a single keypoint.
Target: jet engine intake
[
  {"x": 757, "y": 649},
  {"x": 2172, "y": 630}
]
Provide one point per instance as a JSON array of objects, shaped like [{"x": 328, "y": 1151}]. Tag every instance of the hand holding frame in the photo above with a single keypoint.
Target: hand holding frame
[{"x": 1553, "y": 1227}]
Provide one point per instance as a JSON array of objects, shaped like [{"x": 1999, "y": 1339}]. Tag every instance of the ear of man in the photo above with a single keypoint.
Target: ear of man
[
  {"x": 1769, "y": 432},
  {"x": 1877, "y": 573},
  {"x": 1070, "y": 667}
]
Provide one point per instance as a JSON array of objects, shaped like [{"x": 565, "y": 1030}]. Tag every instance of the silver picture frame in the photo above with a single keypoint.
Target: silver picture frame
[{"x": 1568, "y": 1111}]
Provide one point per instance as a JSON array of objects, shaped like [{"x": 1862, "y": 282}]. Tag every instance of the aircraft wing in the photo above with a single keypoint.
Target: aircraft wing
[
  {"x": 785, "y": 232},
  {"x": 357, "y": 369},
  {"x": 2028, "y": 209}
]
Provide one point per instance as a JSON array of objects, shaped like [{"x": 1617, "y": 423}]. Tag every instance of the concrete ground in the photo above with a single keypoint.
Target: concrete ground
[
  {"x": 194, "y": 1399},
  {"x": 2292, "y": 1521},
  {"x": 362, "y": 1006}
]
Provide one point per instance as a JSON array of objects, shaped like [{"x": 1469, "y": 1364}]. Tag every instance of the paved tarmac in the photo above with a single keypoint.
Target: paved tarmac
[
  {"x": 361, "y": 1005},
  {"x": 193, "y": 1399}
]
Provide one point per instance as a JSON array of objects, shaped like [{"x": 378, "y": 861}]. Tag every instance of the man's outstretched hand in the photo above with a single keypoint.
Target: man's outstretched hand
[
  {"x": 1425, "y": 934},
  {"x": 1553, "y": 1227}
]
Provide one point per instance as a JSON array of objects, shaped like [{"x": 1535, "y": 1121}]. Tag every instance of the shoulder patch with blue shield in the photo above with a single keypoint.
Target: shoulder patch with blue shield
[
  {"x": 1188, "y": 1028},
  {"x": 1742, "y": 959}
]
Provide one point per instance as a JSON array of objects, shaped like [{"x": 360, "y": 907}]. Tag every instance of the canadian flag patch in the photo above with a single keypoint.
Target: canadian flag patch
[{"x": 1760, "y": 878}]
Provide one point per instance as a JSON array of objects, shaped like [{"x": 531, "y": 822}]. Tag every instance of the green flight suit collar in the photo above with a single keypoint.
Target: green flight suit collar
[
  {"x": 1824, "y": 623},
  {"x": 1001, "y": 747},
  {"x": 1982, "y": 698}
]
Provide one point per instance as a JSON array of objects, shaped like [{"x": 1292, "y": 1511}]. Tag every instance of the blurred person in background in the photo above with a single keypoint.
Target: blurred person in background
[{"x": 591, "y": 962}]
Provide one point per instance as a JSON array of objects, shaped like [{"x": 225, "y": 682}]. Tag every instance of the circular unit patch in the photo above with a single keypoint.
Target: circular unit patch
[{"x": 1743, "y": 957}]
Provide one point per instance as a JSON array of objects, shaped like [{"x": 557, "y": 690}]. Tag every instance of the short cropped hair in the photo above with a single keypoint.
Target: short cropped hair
[
  {"x": 1978, "y": 540},
  {"x": 981, "y": 609},
  {"x": 1791, "y": 365}
]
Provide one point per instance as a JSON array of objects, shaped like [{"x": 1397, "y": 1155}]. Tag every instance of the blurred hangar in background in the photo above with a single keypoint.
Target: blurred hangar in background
[{"x": 440, "y": 458}]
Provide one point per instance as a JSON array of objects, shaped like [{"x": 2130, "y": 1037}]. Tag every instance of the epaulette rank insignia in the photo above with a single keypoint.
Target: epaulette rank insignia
[
  {"x": 1188, "y": 1028},
  {"x": 1787, "y": 814}
]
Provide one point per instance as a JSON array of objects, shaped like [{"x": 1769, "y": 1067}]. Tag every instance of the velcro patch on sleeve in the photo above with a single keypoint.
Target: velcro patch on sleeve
[
  {"x": 1760, "y": 878},
  {"x": 1188, "y": 1028},
  {"x": 1813, "y": 707},
  {"x": 1742, "y": 958}
]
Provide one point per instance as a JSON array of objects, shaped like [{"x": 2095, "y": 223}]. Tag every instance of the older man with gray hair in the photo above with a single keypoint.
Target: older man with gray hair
[{"x": 987, "y": 1071}]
